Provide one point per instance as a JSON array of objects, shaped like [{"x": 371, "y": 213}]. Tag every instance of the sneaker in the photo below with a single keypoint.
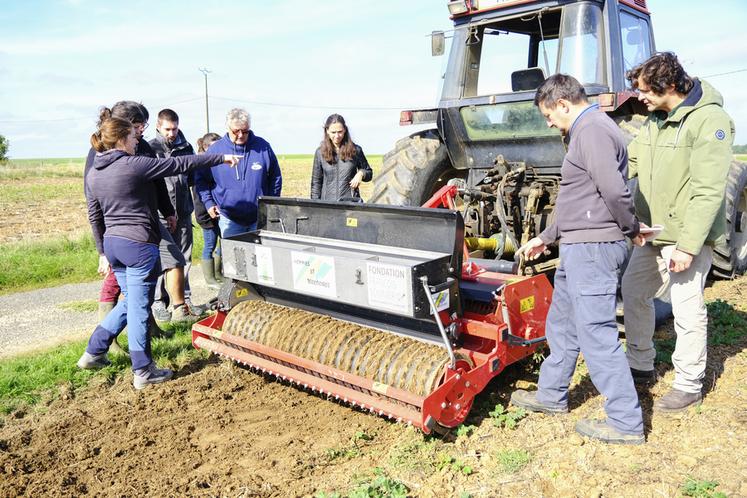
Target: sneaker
[
  {"x": 196, "y": 308},
  {"x": 160, "y": 313},
  {"x": 182, "y": 313},
  {"x": 600, "y": 430},
  {"x": 643, "y": 377},
  {"x": 528, "y": 401},
  {"x": 676, "y": 401},
  {"x": 92, "y": 362},
  {"x": 151, "y": 375}
]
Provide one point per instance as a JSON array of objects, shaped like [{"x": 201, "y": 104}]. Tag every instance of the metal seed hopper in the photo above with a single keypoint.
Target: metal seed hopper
[{"x": 374, "y": 306}]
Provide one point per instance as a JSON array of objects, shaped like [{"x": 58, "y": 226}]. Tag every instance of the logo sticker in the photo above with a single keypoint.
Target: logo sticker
[
  {"x": 720, "y": 134},
  {"x": 257, "y": 166}
]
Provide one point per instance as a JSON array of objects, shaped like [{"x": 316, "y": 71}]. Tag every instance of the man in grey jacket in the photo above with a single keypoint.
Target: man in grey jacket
[
  {"x": 594, "y": 215},
  {"x": 177, "y": 260}
]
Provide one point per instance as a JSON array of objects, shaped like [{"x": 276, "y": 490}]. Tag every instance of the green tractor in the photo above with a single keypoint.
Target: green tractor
[{"x": 491, "y": 141}]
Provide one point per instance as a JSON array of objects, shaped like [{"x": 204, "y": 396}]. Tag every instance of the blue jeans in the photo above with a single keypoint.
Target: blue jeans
[
  {"x": 229, "y": 227},
  {"x": 582, "y": 319},
  {"x": 210, "y": 236},
  {"x": 136, "y": 266}
]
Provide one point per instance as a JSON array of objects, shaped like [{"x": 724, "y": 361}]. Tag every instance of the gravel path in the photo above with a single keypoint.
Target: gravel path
[{"x": 37, "y": 320}]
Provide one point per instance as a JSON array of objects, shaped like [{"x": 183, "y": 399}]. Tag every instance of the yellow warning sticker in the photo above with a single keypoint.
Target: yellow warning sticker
[
  {"x": 380, "y": 388},
  {"x": 242, "y": 292},
  {"x": 352, "y": 222},
  {"x": 526, "y": 304}
]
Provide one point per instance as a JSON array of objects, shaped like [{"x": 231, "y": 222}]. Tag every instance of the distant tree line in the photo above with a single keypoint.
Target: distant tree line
[
  {"x": 740, "y": 149},
  {"x": 4, "y": 145}
]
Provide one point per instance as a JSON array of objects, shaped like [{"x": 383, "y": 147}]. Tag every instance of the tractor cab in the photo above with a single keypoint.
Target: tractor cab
[{"x": 502, "y": 50}]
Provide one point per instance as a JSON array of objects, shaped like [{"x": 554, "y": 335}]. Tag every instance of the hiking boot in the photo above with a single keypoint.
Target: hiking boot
[
  {"x": 600, "y": 430},
  {"x": 643, "y": 377},
  {"x": 93, "y": 362},
  {"x": 528, "y": 401},
  {"x": 150, "y": 375},
  {"x": 208, "y": 271},
  {"x": 196, "y": 309},
  {"x": 182, "y": 313},
  {"x": 160, "y": 313},
  {"x": 676, "y": 401}
]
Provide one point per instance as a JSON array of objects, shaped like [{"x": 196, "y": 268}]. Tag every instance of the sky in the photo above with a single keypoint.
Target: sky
[{"x": 290, "y": 63}]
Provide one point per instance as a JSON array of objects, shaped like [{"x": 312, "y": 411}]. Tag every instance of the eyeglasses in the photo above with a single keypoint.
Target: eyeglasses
[
  {"x": 144, "y": 125},
  {"x": 239, "y": 133}
]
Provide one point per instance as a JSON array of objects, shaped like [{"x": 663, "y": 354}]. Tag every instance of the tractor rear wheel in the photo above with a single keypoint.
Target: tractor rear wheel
[
  {"x": 417, "y": 167},
  {"x": 730, "y": 258}
]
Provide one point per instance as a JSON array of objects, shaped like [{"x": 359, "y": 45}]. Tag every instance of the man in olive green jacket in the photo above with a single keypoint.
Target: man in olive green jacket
[{"x": 681, "y": 159}]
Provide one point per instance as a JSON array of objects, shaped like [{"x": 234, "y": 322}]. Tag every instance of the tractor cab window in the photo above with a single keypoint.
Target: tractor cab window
[
  {"x": 636, "y": 40},
  {"x": 495, "y": 50},
  {"x": 582, "y": 44}
]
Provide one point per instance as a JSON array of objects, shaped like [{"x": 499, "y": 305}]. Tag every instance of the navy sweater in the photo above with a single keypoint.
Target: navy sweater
[
  {"x": 235, "y": 190},
  {"x": 594, "y": 203}
]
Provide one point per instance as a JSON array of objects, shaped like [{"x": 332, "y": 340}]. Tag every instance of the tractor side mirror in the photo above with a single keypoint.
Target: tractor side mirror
[{"x": 438, "y": 43}]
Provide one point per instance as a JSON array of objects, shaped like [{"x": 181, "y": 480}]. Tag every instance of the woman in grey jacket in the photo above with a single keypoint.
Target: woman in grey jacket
[{"x": 339, "y": 164}]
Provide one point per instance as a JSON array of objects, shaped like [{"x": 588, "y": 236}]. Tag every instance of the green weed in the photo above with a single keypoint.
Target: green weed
[
  {"x": 362, "y": 436},
  {"x": 446, "y": 461},
  {"x": 342, "y": 453},
  {"x": 85, "y": 306},
  {"x": 381, "y": 486},
  {"x": 512, "y": 461},
  {"x": 701, "y": 489},
  {"x": 507, "y": 418},
  {"x": 726, "y": 326},
  {"x": 465, "y": 430}
]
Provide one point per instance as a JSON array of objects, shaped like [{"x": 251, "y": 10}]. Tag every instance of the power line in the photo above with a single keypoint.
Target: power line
[
  {"x": 301, "y": 106},
  {"x": 728, "y": 72}
]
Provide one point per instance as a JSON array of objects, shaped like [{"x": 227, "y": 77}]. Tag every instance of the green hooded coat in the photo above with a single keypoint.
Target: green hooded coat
[{"x": 682, "y": 161}]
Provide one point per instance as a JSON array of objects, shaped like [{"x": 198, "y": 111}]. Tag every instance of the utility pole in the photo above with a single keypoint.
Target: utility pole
[{"x": 205, "y": 71}]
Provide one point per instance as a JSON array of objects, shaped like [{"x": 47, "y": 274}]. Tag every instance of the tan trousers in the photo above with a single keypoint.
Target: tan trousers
[{"x": 647, "y": 277}]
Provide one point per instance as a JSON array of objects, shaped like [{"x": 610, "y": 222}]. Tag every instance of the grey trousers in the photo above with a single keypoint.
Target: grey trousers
[
  {"x": 582, "y": 320},
  {"x": 646, "y": 277}
]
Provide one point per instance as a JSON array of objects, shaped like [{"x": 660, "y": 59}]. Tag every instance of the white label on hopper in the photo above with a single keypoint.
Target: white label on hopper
[
  {"x": 265, "y": 273},
  {"x": 314, "y": 274},
  {"x": 388, "y": 287}
]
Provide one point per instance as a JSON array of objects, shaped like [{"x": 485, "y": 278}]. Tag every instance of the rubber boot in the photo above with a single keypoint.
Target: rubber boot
[
  {"x": 208, "y": 270},
  {"x": 218, "y": 268},
  {"x": 155, "y": 331},
  {"x": 104, "y": 309}
]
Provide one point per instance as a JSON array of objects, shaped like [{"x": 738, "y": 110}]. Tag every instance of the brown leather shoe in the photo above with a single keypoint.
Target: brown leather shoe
[
  {"x": 599, "y": 429},
  {"x": 676, "y": 401},
  {"x": 528, "y": 401}
]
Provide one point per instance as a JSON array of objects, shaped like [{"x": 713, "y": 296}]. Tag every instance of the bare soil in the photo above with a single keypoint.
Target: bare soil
[
  {"x": 222, "y": 430},
  {"x": 37, "y": 218}
]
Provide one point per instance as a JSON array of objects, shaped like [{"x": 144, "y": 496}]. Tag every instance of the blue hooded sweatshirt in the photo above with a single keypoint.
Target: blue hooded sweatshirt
[{"x": 235, "y": 190}]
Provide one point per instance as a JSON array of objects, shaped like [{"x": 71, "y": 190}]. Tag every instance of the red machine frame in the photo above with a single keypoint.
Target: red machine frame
[{"x": 489, "y": 341}]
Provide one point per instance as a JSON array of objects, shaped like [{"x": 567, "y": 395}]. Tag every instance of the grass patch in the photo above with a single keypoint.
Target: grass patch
[
  {"x": 417, "y": 454},
  {"x": 701, "y": 489},
  {"x": 381, "y": 486},
  {"x": 452, "y": 464},
  {"x": 31, "y": 265},
  {"x": 512, "y": 461},
  {"x": 85, "y": 306},
  {"x": 26, "y": 380},
  {"x": 18, "y": 169}
]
